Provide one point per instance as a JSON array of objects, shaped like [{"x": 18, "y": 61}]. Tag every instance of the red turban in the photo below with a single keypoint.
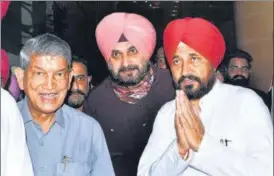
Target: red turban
[
  {"x": 197, "y": 33},
  {"x": 135, "y": 28},
  {"x": 4, "y": 8},
  {"x": 5, "y": 66}
]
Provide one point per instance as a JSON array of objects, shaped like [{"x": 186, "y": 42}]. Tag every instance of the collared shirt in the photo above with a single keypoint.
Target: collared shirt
[
  {"x": 238, "y": 139},
  {"x": 74, "y": 145},
  {"x": 15, "y": 159}
]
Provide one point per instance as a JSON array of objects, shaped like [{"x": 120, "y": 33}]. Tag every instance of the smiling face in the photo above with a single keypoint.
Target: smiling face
[
  {"x": 192, "y": 72},
  {"x": 127, "y": 65},
  {"x": 45, "y": 81}
]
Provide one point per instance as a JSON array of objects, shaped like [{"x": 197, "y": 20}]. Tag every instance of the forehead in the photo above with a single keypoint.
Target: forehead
[
  {"x": 184, "y": 49},
  {"x": 122, "y": 46},
  {"x": 238, "y": 61},
  {"x": 79, "y": 68},
  {"x": 160, "y": 51},
  {"x": 48, "y": 62}
]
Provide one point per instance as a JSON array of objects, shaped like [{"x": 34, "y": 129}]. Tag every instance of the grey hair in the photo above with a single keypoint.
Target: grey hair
[{"x": 45, "y": 44}]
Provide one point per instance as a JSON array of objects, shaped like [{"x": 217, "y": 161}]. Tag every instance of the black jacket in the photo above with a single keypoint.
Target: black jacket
[{"x": 127, "y": 127}]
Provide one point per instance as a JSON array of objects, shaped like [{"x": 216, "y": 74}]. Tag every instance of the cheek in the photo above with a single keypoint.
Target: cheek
[{"x": 175, "y": 73}]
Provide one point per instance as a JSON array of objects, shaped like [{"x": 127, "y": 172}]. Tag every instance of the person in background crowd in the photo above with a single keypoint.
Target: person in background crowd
[
  {"x": 238, "y": 64},
  {"x": 80, "y": 84},
  {"x": 210, "y": 128},
  {"x": 60, "y": 139},
  {"x": 161, "y": 59},
  {"x": 221, "y": 73},
  {"x": 15, "y": 159},
  {"x": 5, "y": 68},
  {"x": 126, "y": 102},
  {"x": 14, "y": 89}
]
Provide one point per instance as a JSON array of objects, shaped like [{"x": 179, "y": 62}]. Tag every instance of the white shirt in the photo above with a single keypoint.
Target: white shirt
[
  {"x": 228, "y": 113},
  {"x": 15, "y": 159}
]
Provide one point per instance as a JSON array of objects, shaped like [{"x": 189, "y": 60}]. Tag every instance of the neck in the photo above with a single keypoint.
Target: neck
[
  {"x": 80, "y": 108},
  {"x": 43, "y": 119},
  {"x": 195, "y": 103}
]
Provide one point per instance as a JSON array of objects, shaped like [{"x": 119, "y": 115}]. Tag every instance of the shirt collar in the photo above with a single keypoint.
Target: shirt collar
[{"x": 59, "y": 116}]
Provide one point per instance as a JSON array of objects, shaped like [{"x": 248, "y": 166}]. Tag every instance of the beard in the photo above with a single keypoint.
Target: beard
[
  {"x": 130, "y": 79},
  {"x": 203, "y": 88},
  {"x": 76, "y": 102},
  {"x": 238, "y": 80}
]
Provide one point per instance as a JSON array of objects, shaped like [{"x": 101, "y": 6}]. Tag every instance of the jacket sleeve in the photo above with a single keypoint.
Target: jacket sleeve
[
  {"x": 161, "y": 156},
  {"x": 216, "y": 159}
]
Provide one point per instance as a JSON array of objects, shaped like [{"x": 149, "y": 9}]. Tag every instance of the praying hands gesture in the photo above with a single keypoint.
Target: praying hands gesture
[{"x": 189, "y": 128}]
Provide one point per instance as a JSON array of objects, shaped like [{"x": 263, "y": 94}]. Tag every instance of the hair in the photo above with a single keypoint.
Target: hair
[
  {"x": 240, "y": 54},
  {"x": 81, "y": 60},
  {"x": 45, "y": 44}
]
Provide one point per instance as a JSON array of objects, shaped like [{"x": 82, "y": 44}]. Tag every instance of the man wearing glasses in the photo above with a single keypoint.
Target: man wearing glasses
[
  {"x": 238, "y": 66},
  {"x": 81, "y": 84}
]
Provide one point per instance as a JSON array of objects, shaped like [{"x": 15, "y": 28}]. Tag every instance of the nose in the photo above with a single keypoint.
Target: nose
[
  {"x": 75, "y": 85},
  {"x": 50, "y": 83},
  {"x": 126, "y": 62},
  {"x": 185, "y": 68},
  {"x": 238, "y": 72}
]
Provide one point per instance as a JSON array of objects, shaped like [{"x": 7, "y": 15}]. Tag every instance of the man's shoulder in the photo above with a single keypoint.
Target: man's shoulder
[
  {"x": 240, "y": 94},
  {"x": 100, "y": 90},
  {"x": 76, "y": 115},
  {"x": 167, "y": 108}
]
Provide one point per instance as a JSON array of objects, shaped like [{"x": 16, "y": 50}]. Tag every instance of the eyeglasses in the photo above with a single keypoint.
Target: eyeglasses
[{"x": 236, "y": 68}]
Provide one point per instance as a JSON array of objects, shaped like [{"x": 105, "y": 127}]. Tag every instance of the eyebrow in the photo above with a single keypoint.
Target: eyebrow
[
  {"x": 132, "y": 47},
  {"x": 193, "y": 54},
  {"x": 80, "y": 75}
]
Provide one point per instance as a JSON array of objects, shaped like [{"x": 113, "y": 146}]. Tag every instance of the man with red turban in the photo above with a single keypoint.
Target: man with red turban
[
  {"x": 210, "y": 128},
  {"x": 126, "y": 102}
]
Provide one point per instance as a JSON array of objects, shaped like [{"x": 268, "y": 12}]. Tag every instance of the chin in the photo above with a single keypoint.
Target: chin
[{"x": 49, "y": 108}]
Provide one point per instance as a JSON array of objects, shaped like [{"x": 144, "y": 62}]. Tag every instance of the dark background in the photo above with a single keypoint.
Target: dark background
[{"x": 76, "y": 21}]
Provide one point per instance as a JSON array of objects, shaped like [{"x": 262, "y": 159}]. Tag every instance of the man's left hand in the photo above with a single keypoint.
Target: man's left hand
[{"x": 191, "y": 122}]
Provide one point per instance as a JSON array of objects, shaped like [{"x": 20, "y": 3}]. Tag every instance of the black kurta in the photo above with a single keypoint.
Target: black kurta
[{"x": 127, "y": 127}]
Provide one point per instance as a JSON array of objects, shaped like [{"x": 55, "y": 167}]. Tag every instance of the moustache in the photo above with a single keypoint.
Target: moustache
[
  {"x": 128, "y": 68},
  {"x": 238, "y": 76},
  {"x": 189, "y": 77},
  {"x": 77, "y": 91}
]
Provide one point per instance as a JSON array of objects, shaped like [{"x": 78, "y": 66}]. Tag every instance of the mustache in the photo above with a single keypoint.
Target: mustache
[
  {"x": 189, "y": 77},
  {"x": 129, "y": 68},
  {"x": 77, "y": 91},
  {"x": 238, "y": 76}
]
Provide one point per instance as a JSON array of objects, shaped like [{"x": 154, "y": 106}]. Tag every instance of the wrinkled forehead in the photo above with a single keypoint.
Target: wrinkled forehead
[
  {"x": 123, "y": 46},
  {"x": 48, "y": 62}
]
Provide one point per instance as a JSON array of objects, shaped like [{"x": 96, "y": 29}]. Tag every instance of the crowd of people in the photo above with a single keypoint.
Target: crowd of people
[{"x": 189, "y": 113}]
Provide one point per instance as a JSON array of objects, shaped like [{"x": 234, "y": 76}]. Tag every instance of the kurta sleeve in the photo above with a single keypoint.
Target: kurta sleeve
[
  {"x": 216, "y": 159},
  {"x": 161, "y": 156}
]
